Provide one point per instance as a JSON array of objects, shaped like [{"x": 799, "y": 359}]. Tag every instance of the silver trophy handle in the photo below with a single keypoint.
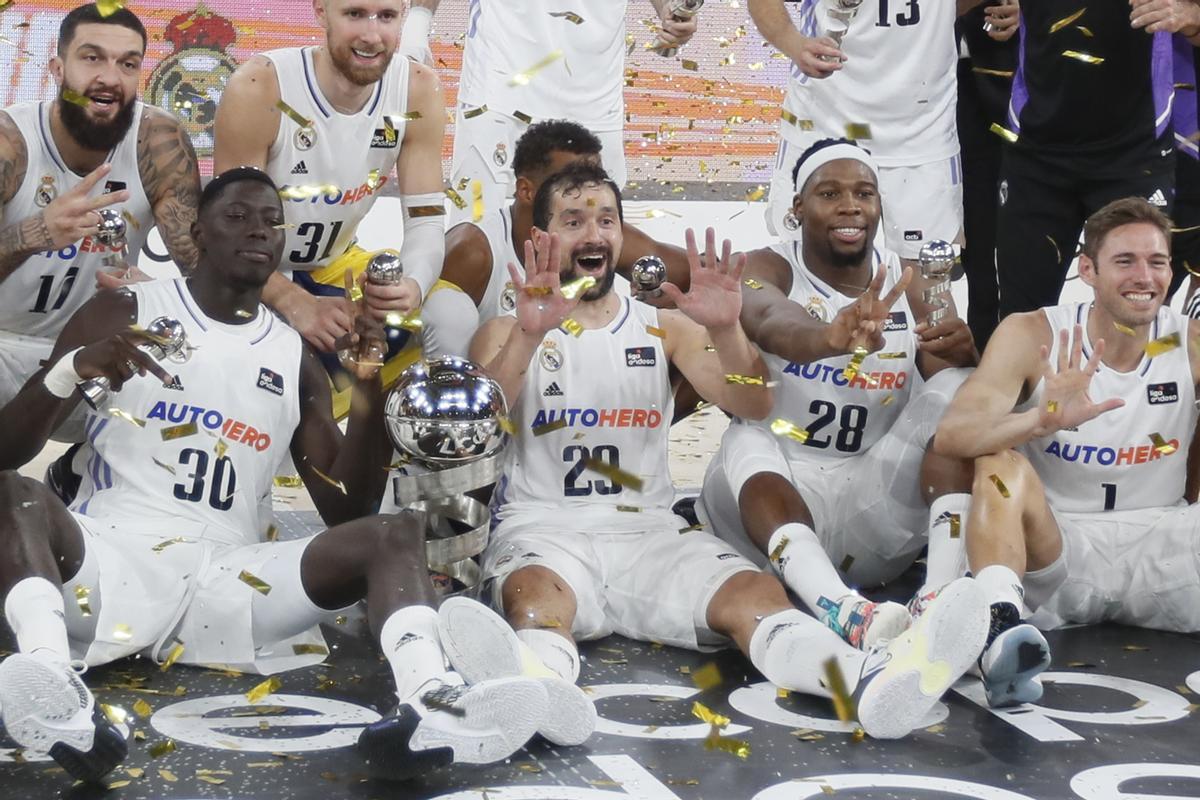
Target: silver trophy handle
[
  {"x": 937, "y": 259},
  {"x": 169, "y": 341},
  {"x": 681, "y": 10},
  {"x": 837, "y": 19}
]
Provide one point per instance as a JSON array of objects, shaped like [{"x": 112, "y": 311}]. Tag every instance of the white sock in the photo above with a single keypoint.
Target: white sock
[
  {"x": 557, "y": 653},
  {"x": 34, "y": 608},
  {"x": 1001, "y": 585},
  {"x": 790, "y": 649},
  {"x": 409, "y": 639},
  {"x": 805, "y": 566},
  {"x": 947, "y": 560}
]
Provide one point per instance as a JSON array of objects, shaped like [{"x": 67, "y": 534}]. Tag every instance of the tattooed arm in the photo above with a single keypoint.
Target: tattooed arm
[
  {"x": 171, "y": 179},
  {"x": 19, "y": 239}
]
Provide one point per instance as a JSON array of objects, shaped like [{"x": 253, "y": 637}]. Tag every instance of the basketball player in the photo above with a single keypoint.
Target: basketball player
[
  {"x": 583, "y": 506},
  {"x": 163, "y": 552},
  {"x": 524, "y": 62},
  {"x": 478, "y": 253},
  {"x": 891, "y": 85},
  {"x": 353, "y": 114},
  {"x": 93, "y": 147},
  {"x": 1074, "y": 422},
  {"x": 839, "y": 483}
]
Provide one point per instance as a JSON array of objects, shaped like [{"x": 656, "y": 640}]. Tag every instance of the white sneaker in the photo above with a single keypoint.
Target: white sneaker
[
  {"x": 482, "y": 646},
  {"x": 47, "y": 709},
  {"x": 863, "y": 623},
  {"x": 447, "y": 724},
  {"x": 901, "y": 682}
]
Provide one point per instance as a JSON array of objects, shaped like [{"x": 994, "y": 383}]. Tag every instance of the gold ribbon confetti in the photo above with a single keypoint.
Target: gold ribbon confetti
[
  {"x": 308, "y": 192},
  {"x": 577, "y": 287},
  {"x": 472, "y": 113},
  {"x": 168, "y": 776},
  {"x": 689, "y": 65},
  {"x": 858, "y": 130},
  {"x": 72, "y": 96},
  {"x": 781, "y": 427},
  {"x": 1003, "y": 132},
  {"x": 777, "y": 553},
  {"x": 615, "y": 474},
  {"x": 121, "y": 413},
  {"x": 109, "y": 7},
  {"x": 288, "y": 481},
  {"x": 220, "y": 448},
  {"x": 1163, "y": 344},
  {"x": 163, "y": 545},
  {"x": 550, "y": 427},
  {"x": 1086, "y": 58},
  {"x": 179, "y": 431},
  {"x": 835, "y": 682},
  {"x": 522, "y": 78},
  {"x": 455, "y": 198},
  {"x": 310, "y": 650},
  {"x": 753, "y": 284},
  {"x": 755, "y": 194},
  {"x": 708, "y": 677},
  {"x": 294, "y": 115},
  {"x": 1000, "y": 487},
  {"x": 744, "y": 380},
  {"x": 708, "y": 716},
  {"x": 658, "y": 332},
  {"x": 1065, "y": 21},
  {"x": 142, "y": 708},
  {"x": 955, "y": 526},
  {"x": 175, "y": 654},
  {"x": 476, "y": 200},
  {"x": 856, "y": 361},
  {"x": 792, "y": 119},
  {"x": 521, "y": 115},
  {"x": 269, "y": 686},
  {"x": 1162, "y": 445},
  {"x": 341, "y": 487},
  {"x": 1125, "y": 329},
  {"x": 572, "y": 327},
  {"x": 1051, "y": 406},
  {"x": 116, "y": 715},
  {"x": 159, "y": 749},
  {"x": 81, "y": 597},
  {"x": 569, "y": 16},
  {"x": 254, "y": 582},
  {"x": 374, "y": 180}
]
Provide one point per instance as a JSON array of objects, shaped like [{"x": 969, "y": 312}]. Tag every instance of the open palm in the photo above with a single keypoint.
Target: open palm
[
  {"x": 540, "y": 303},
  {"x": 1065, "y": 399},
  {"x": 714, "y": 298}
]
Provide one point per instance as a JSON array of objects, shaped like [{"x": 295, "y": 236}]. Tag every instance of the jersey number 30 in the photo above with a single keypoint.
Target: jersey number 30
[{"x": 220, "y": 483}]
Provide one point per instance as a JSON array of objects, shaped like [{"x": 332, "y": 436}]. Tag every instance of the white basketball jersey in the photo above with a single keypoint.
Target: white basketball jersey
[
  {"x": 344, "y": 160},
  {"x": 42, "y": 293},
  {"x": 896, "y": 92},
  {"x": 499, "y": 297},
  {"x": 507, "y": 38},
  {"x": 843, "y": 417},
  {"x": 209, "y": 451},
  {"x": 1110, "y": 463},
  {"x": 604, "y": 395}
]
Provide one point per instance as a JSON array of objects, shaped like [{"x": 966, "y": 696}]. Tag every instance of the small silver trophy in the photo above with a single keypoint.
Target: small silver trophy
[
  {"x": 448, "y": 417},
  {"x": 385, "y": 267},
  {"x": 647, "y": 276},
  {"x": 681, "y": 10},
  {"x": 111, "y": 231},
  {"x": 168, "y": 341},
  {"x": 988, "y": 27},
  {"x": 937, "y": 259},
  {"x": 837, "y": 18}
]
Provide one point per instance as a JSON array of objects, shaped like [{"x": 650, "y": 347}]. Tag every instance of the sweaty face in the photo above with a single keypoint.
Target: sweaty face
[
  {"x": 362, "y": 36},
  {"x": 589, "y": 231},
  {"x": 241, "y": 233},
  {"x": 1131, "y": 273},
  {"x": 839, "y": 208},
  {"x": 102, "y": 63}
]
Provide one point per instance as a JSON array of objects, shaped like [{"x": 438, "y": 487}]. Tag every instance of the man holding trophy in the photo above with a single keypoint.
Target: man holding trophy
[
  {"x": 835, "y": 469},
  {"x": 199, "y": 392}
]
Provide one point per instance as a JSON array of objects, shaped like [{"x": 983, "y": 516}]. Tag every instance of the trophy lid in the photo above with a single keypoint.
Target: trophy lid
[
  {"x": 648, "y": 273},
  {"x": 112, "y": 227}
]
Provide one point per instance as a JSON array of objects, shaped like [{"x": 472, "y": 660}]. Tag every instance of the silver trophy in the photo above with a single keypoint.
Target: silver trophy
[
  {"x": 988, "y": 27},
  {"x": 168, "y": 342},
  {"x": 681, "y": 10},
  {"x": 647, "y": 276},
  {"x": 385, "y": 267},
  {"x": 111, "y": 231},
  {"x": 446, "y": 416},
  {"x": 937, "y": 260},
  {"x": 837, "y": 18}
]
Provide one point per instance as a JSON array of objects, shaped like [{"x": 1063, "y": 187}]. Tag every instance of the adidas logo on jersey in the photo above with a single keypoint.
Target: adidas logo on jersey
[
  {"x": 552, "y": 390},
  {"x": 1160, "y": 393},
  {"x": 1157, "y": 199},
  {"x": 300, "y": 169}
]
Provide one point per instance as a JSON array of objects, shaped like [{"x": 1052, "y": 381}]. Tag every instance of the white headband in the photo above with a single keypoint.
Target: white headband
[{"x": 834, "y": 152}]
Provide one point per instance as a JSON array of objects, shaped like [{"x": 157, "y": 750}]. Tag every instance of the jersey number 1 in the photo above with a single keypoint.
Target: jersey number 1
[{"x": 911, "y": 16}]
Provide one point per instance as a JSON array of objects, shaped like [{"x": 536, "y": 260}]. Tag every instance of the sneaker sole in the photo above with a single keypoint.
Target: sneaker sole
[
  {"x": 478, "y": 642},
  {"x": 571, "y": 719},
  {"x": 942, "y": 645},
  {"x": 1010, "y": 681},
  {"x": 499, "y": 717}
]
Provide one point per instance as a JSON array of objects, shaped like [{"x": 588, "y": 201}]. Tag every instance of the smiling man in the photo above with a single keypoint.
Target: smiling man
[
  {"x": 95, "y": 146},
  {"x": 1077, "y": 422},
  {"x": 832, "y": 475}
]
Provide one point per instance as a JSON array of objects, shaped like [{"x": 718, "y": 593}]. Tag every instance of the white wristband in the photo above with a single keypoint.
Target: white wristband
[{"x": 61, "y": 379}]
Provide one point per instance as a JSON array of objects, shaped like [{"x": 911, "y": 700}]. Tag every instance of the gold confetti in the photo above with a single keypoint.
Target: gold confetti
[
  {"x": 1085, "y": 31},
  {"x": 858, "y": 130},
  {"x": 569, "y": 16},
  {"x": 159, "y": 749},
  {"x": 1162, "y": 344},
  {"x": 81, "y": 597},
  {"x": 999, "y": 73},
  {"x": 689, "y": 65},
  {"x": 955, "y": 526},
  {"x": 117, "y": 784},
  {"x": 887, "y": 401},
  {"x": 781, "y": 427},
  {"x": 375, "y": 180},
  {"x": 577, "y": 287},
  {"x": 294, "y": 115},
  {"x": 289, "y": 481},
  {"x": 122, "y": 632},
  {"x": 269, "y": 686},
  {"x": 630, "y": 509},
  {"x": 116, "y": 715},
  {"x": 220, "y": 448},
  {"x": 777, "y": 553},
  {"x": 653, "y": 331},
  {"x": 135, "y": 772},
  {"x": 1000, "y": 487},
  {"x": 210, "y": 779},
  {"x": 737, "y": 747},
  {"x": 856, "y": 360},
  {"x": 522, "y": 78},
  {"x": 753, "y": 284},
  {"x": 308, "y": 192},
  {"x": 792, "y": 119},
  {"x": 835, "y": 682},
  {"x": 1162, "y": 445},
  {"x": 72, "y": 96},
  {"x": 550, "y": 427},
  {"x": 163, "y": 545},
  {"x": 697, "y": 527},
  {"x": 744, "y": 380},
  {"x": 426, "y": 211},
  {"x": 1065, "y": 21},
  {"x": 572, "y": 327},
  {"x": 167, "y": 775},
  {"x": 178, "y": 431},
  {"x": 505, "y": 424},
  {"x": 472, "y": 113},
  {"x": 755, "y": 194},
  {"x": 142, "y": 708},
  {"x": 172, "y": 657},
  {"x": 455, "y": 198},
  {"x": 615, "y": 474},
  {"x": 1135, "y": 648},
  {"x": 309, "y": 650},
  {"x": 476, "y": 200},
  {"x": 109, "y": 7},
  {"x": 521, "y": 115},
  {"x": 1051, "y": 406},
  {"x": 708, "y": 677},
  {"x": 708, "y": 716},
  {"x": 892, "y": 355},
  {"x": 254, "y": 582},
  {"x": 1086, "y": 58},
  {"x": 1125, "y": 329},
  {"x": 121, "y": 413},
  {"x": 341, "y": 487},
  {"x": 1003, "y": 132}
]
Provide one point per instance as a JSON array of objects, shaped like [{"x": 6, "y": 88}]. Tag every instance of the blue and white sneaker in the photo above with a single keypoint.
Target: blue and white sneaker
[{"x": 1015, "y": 655}]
